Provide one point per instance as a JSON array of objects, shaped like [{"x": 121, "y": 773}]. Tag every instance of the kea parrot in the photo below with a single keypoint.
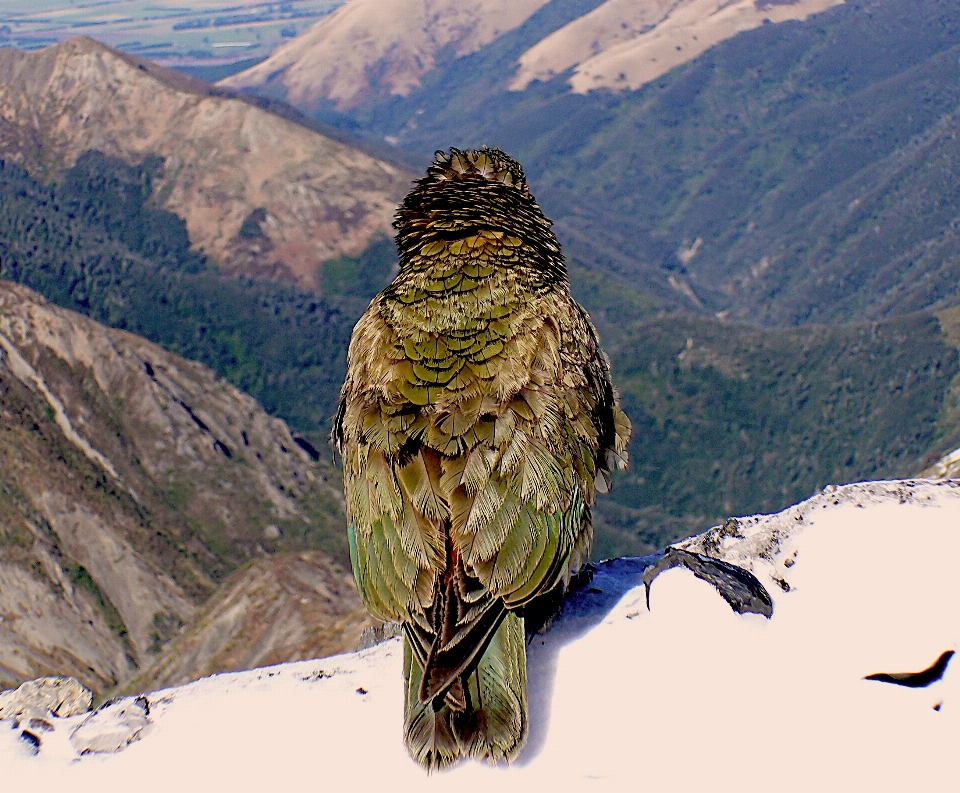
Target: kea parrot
[{"x": 476, "y": 424}]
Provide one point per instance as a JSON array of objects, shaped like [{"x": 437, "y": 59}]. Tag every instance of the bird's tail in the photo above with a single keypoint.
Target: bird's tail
[{"x": 482, "y": 715}]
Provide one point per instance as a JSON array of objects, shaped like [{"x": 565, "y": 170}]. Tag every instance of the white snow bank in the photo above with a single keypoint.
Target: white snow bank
[{"x": 688, "y": 696}]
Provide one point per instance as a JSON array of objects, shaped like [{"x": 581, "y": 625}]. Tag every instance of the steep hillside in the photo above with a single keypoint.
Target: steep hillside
[
  {"x": 276, "y": 608},
  {"x": 624, "y": 44},
  {"x": 95, "y": 243},
  {"x": 133, "y": 482},
  {"x": 366, "y": 52},
  {"x": 260, "y": 194},
  {"x": 367, "y": 49},
  {"x": 815, "y": 405}
]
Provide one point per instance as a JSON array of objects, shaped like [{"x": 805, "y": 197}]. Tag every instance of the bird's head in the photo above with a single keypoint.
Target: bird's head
[{"x": 465, "y": 192}]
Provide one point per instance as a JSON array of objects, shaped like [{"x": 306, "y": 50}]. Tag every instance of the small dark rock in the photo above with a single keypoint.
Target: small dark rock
[
  {"x": 31, "y": 739},
  {"x": 920, "y": 679},
  {"x": 40, "y": 724}
]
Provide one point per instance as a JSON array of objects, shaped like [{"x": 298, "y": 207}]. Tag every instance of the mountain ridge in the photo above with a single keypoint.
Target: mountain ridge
[
  {"x": 227, "y": 161},
  {"x": 360, "y": 53},
  {"x": 759, "y": 148},
  {"x": 631, "y": 44}
]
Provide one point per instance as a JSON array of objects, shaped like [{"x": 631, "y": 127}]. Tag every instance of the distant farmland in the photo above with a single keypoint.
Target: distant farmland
[{"x": 198, "y": 33}]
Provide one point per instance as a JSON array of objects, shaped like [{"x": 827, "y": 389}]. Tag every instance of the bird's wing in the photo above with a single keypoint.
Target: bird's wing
[
  {"x": 395, "y": 512},
  {"x": 459, "y": 513}
]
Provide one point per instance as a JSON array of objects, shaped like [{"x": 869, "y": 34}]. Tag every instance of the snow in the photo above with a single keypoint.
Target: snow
[{"x": 686, "y": 696}]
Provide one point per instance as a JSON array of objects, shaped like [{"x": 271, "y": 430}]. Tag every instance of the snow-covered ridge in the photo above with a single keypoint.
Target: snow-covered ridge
[{"x": 686, "y": 696}]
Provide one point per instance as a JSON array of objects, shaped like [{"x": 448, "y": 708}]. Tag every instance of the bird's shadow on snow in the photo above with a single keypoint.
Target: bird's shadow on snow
[{"x": 583, "y": 609}]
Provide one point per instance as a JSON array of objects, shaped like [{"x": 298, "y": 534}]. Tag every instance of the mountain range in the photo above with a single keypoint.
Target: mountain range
[
  {"x": 364, "y": 51},
  {"x": 765, "y": 406},
  {"x": 764, "y": 235},
  {"x": 779, "y": 178}
]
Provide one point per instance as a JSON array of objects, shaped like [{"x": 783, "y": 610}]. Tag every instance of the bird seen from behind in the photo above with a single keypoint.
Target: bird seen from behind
[{"x": 477, "y": 421}]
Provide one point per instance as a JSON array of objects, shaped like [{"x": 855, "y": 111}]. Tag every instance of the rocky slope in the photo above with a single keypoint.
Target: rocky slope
[
  {"x": 262, "y": 195},
  {"x": 287, "y": 607},
  {"x": 133, "y": 482}
]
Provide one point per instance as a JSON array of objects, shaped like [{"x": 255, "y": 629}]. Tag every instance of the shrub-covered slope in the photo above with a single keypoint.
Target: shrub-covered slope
[{"x": 729, "y": 418}]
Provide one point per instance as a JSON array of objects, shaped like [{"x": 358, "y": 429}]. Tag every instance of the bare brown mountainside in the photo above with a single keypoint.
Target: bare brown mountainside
[
  {"x": 134, "y": 487},
  {"x": 369, "y": 50},
  {"x": 262, "y": 195}
]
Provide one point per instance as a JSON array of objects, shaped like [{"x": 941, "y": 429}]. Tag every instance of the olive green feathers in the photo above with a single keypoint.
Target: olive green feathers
[{"x": 476, "y": 424}]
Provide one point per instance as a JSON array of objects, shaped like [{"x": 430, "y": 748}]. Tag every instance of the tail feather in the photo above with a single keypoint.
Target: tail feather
[
  {"x": 487, "y": 717},
  {"x": 494, "y": 725},
  {"x": 427, "y": 729}
]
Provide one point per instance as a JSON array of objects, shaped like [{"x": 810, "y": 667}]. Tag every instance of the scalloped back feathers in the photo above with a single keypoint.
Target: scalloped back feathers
[{"x": 476, "y": 423}]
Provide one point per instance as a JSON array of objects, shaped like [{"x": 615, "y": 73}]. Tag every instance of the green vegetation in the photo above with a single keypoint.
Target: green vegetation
[
  {"x": 14, "y": 535},
  {"x": 732, "y": 420},
  {"x": 809, "y": 185},
  {"x": 82, "y": 579},
  {"x": 361, "y": 277},
  {"x": 166, "y": 626},
  {"x": 729, "y": 419}
]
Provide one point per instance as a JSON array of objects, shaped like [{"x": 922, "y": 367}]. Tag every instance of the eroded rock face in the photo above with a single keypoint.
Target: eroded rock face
[
  {"x": 226, "y": 160},
  {"x": 132, "y": 482},
  {"x": 287, "y": 607}
]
